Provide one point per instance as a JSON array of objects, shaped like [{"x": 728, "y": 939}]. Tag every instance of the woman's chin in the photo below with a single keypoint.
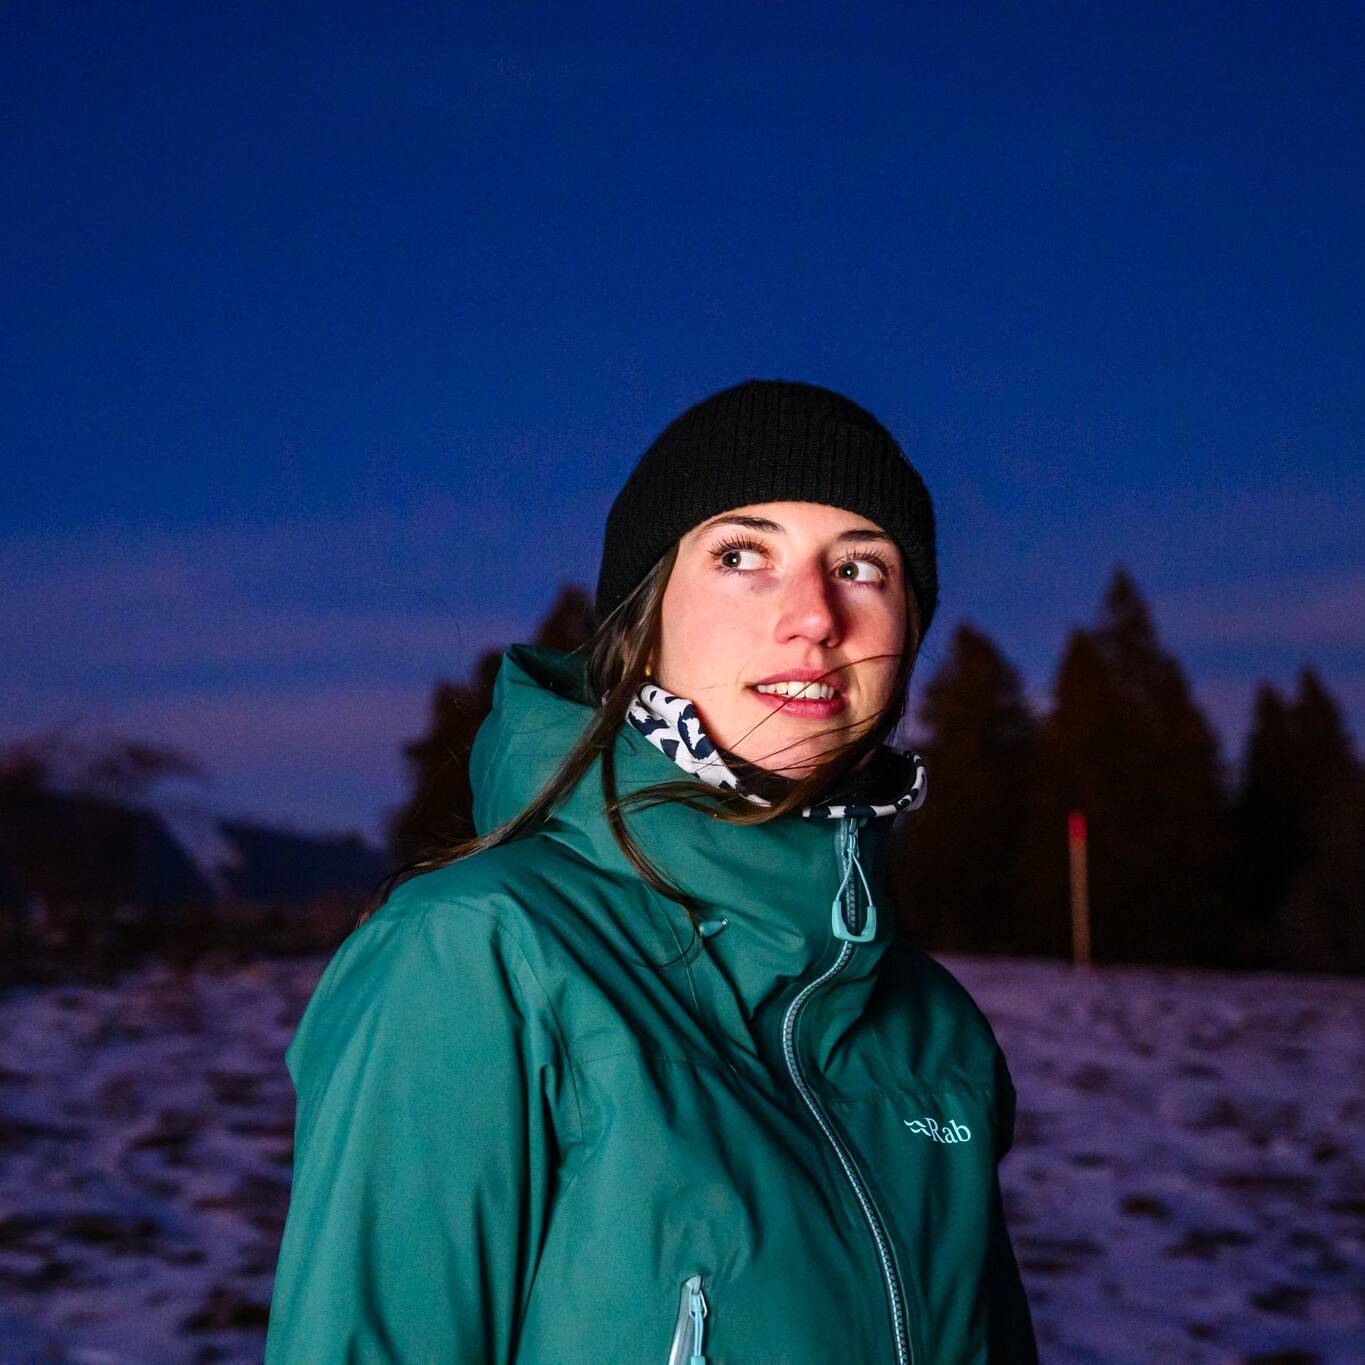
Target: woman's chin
[{"x": 787, "y": 756}]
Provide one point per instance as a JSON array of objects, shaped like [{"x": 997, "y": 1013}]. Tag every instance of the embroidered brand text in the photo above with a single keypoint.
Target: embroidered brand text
[{"x": 952, "y": 1131}]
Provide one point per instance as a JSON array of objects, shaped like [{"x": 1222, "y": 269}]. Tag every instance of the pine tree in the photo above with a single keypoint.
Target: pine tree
[
  {"x": 955, "y": 880},
  {"x": 1127, "y": 745},
  {"x": 1270, "y": 817},
  {"x": 1301, "y": 816},
  {"x": 440, "y": 809}
]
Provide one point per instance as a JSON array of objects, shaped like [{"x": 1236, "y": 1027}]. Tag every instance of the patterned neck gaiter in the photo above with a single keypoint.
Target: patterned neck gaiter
[{"x": 891, "y": 781}]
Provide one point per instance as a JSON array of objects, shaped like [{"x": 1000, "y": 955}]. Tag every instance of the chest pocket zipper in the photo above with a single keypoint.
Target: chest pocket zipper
[{"x": 689, "y": 1334}]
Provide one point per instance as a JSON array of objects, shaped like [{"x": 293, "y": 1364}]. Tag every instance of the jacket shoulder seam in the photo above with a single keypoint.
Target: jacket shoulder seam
[{"x": 557, "y": 1028}]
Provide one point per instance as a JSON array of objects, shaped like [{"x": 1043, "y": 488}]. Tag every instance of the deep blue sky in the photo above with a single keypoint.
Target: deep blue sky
[{"x": 330, "y": 332}]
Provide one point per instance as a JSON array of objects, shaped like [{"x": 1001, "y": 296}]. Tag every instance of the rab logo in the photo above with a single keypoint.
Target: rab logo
[{"x": 952, "y": 1132}]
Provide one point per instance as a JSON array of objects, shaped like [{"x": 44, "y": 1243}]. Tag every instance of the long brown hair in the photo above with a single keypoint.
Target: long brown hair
[{"x": 617, "y": 651}]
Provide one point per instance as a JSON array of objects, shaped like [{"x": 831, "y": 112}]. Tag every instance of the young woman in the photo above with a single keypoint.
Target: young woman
[{"x": 645, "y": 1072}]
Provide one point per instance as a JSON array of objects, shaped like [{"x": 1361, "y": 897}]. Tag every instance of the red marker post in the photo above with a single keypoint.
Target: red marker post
[{"x": 1080, "y": 891}]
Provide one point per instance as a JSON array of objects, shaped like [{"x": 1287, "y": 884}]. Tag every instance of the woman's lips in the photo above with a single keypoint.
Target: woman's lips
[{"x": 802, "y": 706}]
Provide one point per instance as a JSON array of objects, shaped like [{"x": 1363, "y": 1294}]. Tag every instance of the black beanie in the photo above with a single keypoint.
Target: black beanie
[{"x": 767, "y": 440}]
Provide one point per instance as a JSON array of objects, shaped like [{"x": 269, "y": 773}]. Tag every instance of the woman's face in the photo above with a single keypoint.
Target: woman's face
[{"x": 776, "y": 588}]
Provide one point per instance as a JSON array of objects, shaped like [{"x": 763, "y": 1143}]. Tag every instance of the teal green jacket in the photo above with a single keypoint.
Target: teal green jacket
[{"x": 519, "y": 1137}]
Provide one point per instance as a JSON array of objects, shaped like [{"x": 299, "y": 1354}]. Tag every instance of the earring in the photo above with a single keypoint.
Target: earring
[{"x": 647, "y": 670}]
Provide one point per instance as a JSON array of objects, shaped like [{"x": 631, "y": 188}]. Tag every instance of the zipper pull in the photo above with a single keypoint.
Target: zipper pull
[
  {"x": 838, "y": 920},
  {"x": 698, "y": 1311}
]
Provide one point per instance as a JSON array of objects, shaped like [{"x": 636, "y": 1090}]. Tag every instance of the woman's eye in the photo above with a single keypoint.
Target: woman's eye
[
  {"x": 877, "y": 568},
  {"x": 729, "y": 555},
  {"x": 732, "y": 560}
]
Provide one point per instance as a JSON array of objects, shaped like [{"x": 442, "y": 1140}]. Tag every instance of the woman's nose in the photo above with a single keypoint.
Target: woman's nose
[{"x": 809, "y": 606}]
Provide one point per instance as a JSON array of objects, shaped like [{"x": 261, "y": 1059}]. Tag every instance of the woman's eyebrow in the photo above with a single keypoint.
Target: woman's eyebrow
[{"x": 773, "y": 528}]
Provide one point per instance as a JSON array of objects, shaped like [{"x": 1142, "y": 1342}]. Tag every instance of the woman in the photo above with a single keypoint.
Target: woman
[{"x": 644, "y": 1072}]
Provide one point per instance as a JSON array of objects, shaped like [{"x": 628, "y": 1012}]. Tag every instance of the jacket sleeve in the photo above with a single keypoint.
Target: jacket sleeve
[
  {"x": 425, "y": 1067},
  {"x": 1010, "y": 1334}
]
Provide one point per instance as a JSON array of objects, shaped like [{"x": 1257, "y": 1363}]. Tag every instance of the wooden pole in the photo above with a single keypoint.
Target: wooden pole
[{"x": 1080, "y": 891}]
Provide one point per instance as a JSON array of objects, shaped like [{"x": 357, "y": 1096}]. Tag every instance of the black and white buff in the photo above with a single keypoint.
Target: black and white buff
[{"x": 894, "y": 780}]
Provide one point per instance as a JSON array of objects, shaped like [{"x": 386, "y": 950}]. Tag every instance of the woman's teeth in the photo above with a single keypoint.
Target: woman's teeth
[{"x": 812, "y": 691}]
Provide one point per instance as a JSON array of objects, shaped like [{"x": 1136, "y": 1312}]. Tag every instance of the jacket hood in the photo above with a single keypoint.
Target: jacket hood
[{"x": 785, "y": 892}]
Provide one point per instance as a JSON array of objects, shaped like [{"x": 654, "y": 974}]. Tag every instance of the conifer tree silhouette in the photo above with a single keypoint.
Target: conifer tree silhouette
[
  {"x": 1127, "y": 745},
  {"x": 1270, "y": 813},
  {"x": 1301, "y": 826},
  {"x": 956, "y": 887},
  {"x": 440, "y": 809}
]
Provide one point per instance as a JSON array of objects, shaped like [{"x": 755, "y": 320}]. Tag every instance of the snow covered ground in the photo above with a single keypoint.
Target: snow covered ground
[
  {"x": 1188, "y": 1176},
  {"x": 1187, "y": 1182}
]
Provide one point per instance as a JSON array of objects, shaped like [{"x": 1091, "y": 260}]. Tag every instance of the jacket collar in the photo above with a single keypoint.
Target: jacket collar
[
  {"x": 892, "y": 781},
  {"x": 776, "y": 893}
]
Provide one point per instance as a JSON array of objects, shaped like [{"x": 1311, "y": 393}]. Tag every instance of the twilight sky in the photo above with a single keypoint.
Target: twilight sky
[{"x": 330, "y": 332}]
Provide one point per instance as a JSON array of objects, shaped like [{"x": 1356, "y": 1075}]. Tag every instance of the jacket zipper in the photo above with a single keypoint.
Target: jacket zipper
[
  {"x": 689, "y": 1333},
  {"x": 846, "y": 838}
]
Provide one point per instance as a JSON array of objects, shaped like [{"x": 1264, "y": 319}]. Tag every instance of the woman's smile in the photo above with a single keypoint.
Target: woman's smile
[{"x": 804, "y": 704}]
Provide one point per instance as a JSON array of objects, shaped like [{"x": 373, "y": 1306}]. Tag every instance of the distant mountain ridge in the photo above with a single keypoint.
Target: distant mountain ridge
[{"x": 68, "y": 848}]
